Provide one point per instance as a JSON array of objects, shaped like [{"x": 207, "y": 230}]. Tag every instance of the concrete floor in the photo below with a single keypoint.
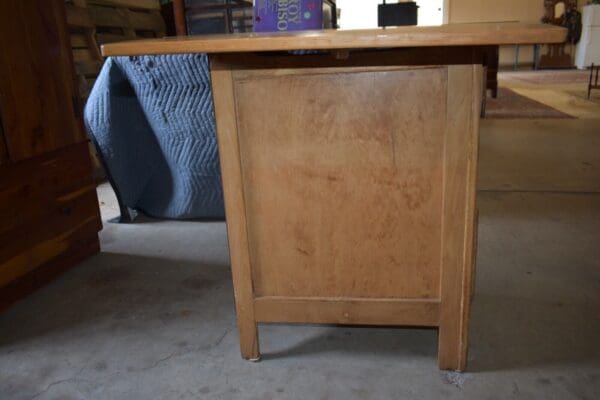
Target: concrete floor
[{"x": 152, "y": 316}]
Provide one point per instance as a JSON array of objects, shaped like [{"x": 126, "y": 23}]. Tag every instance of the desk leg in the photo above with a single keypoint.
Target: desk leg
[
  {"x": 464, "y": 85},
  {"x": 235, "y": 211},
  {"x": 536, "y": 57}
]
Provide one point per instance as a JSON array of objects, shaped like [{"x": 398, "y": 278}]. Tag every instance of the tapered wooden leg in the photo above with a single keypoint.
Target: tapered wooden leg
[
  {"x": 452, "y": 348},
  {"x": 464, "y": 88},
  {"x": 229, "y": 153},
  {"x": 249, "y": 340}
]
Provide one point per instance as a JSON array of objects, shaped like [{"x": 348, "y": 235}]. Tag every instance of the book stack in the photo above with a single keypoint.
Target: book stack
[{"x": 287, "y": 15}]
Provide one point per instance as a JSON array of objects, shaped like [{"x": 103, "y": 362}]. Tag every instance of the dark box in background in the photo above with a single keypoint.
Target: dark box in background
[{"x": 397, "y": 14}]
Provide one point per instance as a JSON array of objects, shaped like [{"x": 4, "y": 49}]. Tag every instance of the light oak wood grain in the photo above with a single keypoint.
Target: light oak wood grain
[
  {"x": 445, "y": 35},
  {"x": 347, "y": 311},
  {"x": 37, "y": 79},
  {"x": 460, "y": 171},
  {"x": 349, "y": 190},
  {"x": 235, "y": 210}
]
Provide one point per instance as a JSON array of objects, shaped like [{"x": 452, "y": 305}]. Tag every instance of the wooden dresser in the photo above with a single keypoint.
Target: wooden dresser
[{"x": 49, "y": 215}]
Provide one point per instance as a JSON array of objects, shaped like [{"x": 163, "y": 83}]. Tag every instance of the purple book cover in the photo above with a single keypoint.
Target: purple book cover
[{"x": 287, "y": 15}]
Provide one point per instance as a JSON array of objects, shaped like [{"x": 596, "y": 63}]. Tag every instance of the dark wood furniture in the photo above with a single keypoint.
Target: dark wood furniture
[
  {"x": 491, "y": 57},
  {"x": 593, "y": 82},
  {"x": 556, "y": 56},
  {"x": 49, "y": 215}
]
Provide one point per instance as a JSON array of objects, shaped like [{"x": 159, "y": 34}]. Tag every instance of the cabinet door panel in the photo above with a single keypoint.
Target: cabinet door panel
[
  {"x": 3, "y": 153},
  {"x": 37, "y": 79}
]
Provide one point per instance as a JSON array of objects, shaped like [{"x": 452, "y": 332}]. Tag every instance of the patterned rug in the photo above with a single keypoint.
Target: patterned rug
[
  {"x": 510, "y": 104},
  {"x": 550, "y": 77}
]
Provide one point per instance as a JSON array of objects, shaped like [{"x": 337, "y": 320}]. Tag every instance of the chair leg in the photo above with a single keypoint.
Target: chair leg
[{"x": 590, "y": 84}]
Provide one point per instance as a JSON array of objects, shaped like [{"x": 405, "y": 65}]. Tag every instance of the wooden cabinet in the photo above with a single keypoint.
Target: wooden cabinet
[
  {"x": 49, "y": 216},
  {"x": 3, "y": 153},
  {"x": 37, "y": 78}
]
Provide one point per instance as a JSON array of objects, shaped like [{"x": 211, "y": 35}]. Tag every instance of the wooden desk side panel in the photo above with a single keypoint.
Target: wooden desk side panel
[
  {"x": 342, "y": 175},
  {"x": 39, "y": 90},
  {"x": 350, "y": 195}
]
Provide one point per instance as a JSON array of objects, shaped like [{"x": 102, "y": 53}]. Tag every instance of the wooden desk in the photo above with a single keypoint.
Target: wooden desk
[{"x": 349, "y": 176}]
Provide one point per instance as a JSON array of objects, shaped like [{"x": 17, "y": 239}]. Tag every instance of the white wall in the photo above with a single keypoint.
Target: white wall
[
  {"x": 532, "y": 11},
  {"x": 362, "y": 14}
]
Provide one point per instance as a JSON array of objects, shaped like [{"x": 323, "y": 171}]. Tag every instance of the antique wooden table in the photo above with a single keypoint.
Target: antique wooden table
[{"x": 349, "y": 174}]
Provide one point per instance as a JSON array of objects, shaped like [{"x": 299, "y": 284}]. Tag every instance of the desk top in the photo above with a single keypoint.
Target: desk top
[{"x": 480, "y": 34}]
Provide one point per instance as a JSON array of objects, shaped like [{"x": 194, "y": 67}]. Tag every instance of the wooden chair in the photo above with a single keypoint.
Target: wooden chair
[{"x": 593, "y": 82}]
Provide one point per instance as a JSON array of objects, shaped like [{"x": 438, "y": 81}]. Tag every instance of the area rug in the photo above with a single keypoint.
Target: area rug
[
  {"x": 550, "y": 77},
  {"x": 510, "y": 104}
]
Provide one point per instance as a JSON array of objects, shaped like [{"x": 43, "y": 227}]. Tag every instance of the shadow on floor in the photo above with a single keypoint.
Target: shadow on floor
[
  {"x": 377, "y": 341},
  {"x": 506, "y": 334},
  {"x": 512, "y": 333},
  {"x": 120, "y": 291},
  {"x": 116, "y": 293}
]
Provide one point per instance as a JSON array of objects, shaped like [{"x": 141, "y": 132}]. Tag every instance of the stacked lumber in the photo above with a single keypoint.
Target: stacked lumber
[{"x": 95, "y": 22}]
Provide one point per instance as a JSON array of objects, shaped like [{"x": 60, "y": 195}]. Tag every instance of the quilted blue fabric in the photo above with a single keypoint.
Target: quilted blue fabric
[{"x": 152, "y": 120}]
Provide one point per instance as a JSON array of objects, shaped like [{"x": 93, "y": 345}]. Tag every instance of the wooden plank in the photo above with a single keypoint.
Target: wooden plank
[
  {"x": 147, "y": 22},
  {"x": 446, "y": 35},
  {"x": 83, "y": 244},
  {"x": 103, "y": 38},
  {"x": 78, "y": 17},
  {"x": 90, "y": 37},
  {"x": 3, "y": 151},
  {"x": 83, "y": 55},
  {"x": 362, "y": 192},
  {"x": 347, "y": 311},
  {"x": 88, "y": 68},
  {"x": 254, "y": 63},
  {"x": 134, "y": 4},
  {"x": 78, "y": 41},
  {"x": 41, "y": 253},
  {"x": 63, "y": 215},
  {"x": 227, "y": 135},
  {"x": 179, "y": 16},
  {"x": 27, "y": 189},
  {"x": 124, "y": 18},
  {"x": 109, "y": 17},
  {"x": 38, "y": 79},
  {"x": 460, "y": 165}
]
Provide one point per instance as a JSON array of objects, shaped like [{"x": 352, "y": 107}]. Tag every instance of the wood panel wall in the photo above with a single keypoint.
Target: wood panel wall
[{"x": 95, "y": 22}]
